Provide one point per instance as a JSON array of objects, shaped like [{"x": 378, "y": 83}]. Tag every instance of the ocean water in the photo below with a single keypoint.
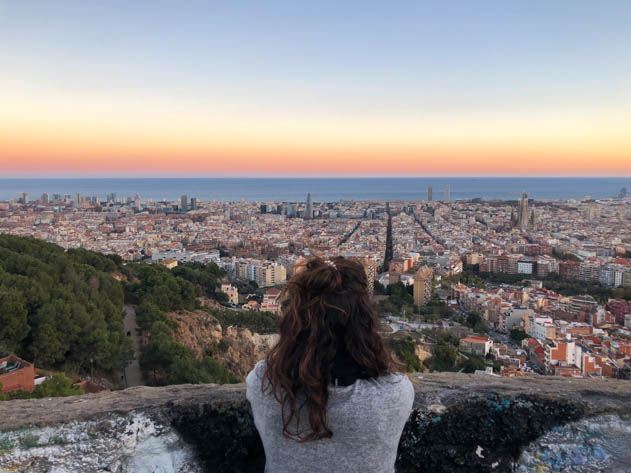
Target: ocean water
[{"x": 322, "y": 189}]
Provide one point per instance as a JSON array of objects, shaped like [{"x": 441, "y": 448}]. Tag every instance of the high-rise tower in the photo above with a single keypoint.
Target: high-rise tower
[
  {"x": 522, "y": 215},
  {"x": 184, "y": 203},
  {"x": 309, "y": 209},
  {"x": 447, "y": 195},
  {"x": 429, "y": 193}
]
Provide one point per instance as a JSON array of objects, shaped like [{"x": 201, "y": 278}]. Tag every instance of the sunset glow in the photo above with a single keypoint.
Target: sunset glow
[{"x": 87, "y": 95}]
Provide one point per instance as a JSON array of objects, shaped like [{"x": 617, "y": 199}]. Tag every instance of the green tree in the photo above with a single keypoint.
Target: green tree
[
  {"x": 474, "y": 320},
  {"x": 443, "y": 357},
  {"x": 13, "y": 319},
  {"x": 404, "y": 350},
  {"x": 217, "y": 373},
  {"x": 222, "y": 297},
  {"x": 60, "y": 308},
  {"x": 50, "y": 342},
  {"x": 157, "y": 355},
  {"x": 471, "y": 364},
  {"x": 147, "y": 314},
  {"x": 518, "y": 334},
  {"x": 57, "y": 386},
  {"x": 260, "y": 322}
]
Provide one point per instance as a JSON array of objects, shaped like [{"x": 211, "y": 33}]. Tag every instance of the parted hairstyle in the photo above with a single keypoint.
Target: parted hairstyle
[{"x": 324, "y": 298}]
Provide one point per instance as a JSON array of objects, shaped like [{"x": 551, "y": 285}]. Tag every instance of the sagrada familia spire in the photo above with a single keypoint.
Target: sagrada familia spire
[{"x": 522, "y": 220}]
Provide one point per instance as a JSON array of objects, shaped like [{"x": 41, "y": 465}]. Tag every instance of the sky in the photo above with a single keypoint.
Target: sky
[{"x": 326, "y": 88}]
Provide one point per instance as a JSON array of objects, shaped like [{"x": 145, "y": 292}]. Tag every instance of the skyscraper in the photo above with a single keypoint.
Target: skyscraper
[
  {"x": 137, "y": 202},
  {"x": 447, "y": 196},
  {"x": 290, "y": 210},
  {"x": 184, "y": 204},
  {"x": 309, "y": 209},
  {"x": 45, "y": 198},
  {"x": 429, "y": 193},
  {"x": 194, "y": 203}
]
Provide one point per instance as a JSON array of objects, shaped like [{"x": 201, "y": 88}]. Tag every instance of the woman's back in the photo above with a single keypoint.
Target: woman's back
[{"x": 366, "y": 418}]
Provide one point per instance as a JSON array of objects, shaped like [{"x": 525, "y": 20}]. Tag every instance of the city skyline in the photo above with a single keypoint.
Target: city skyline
[{"x": 411, "y": 89}]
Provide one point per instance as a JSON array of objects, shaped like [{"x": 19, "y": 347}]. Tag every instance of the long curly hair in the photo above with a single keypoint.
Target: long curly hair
[{"x": 324, "y": 298}]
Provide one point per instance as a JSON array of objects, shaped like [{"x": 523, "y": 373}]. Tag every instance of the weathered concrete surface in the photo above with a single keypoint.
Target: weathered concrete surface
[
  {"x": 433, "y": 392},
  {"x": 461, "y": 423},
  {"x": 596, "y": 444},
  {"x": 599, "y": 395},
  {"x": 15, "y": 414}
]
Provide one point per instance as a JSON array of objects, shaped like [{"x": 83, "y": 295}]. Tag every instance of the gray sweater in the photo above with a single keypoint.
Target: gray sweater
[{"x": 366, "y": 418}]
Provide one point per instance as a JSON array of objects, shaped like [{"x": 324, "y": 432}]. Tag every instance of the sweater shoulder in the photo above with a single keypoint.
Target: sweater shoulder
[{"x": 254, "y": 377}]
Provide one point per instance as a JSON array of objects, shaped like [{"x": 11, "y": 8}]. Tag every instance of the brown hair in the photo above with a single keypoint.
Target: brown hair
[{"x": 325, "y": 303}]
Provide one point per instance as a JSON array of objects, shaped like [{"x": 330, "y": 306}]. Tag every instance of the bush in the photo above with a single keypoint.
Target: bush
[
  {"x": 404, "y": 349},
  {"x": 471, "y": 364},
  {"x": 57, "y": 386},
  {"x": 518, "y": 334},
  {"x": 259, "y": 322},
  {"x": 443, "y": 359}
]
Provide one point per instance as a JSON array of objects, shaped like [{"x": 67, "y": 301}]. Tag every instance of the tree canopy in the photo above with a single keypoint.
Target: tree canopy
[{"x": 60, "y": 308}]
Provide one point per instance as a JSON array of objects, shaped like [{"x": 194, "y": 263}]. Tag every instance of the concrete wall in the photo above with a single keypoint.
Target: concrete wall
[{"x": 461, "y": 423}]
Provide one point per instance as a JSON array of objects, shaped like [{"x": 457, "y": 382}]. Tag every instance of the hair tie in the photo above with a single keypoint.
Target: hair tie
[{"x": 330, "y": 263}]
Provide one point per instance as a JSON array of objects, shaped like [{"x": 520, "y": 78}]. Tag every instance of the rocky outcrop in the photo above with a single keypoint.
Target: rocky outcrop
[
  {"x": 461, "y": 423},
  {"x": 245, "y": 349},
  {"x": 202, "y": 333},
  {"x": 422, "y": 351},
  {"x": 198, "y": 330}
]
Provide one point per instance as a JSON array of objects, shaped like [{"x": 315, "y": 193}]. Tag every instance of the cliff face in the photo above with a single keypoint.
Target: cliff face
[
  {"x": 461, "y": 423},
  {"x": 201, "y": 332}
]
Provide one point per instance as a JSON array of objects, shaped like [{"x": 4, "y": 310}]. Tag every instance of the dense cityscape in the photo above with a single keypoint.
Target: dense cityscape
[
  {"x": 299, "y": 237},
  {"x": 517, "y": 287}
]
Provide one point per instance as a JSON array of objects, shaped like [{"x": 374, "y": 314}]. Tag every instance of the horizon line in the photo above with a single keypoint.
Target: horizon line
[{"x": 132, "y": 177}]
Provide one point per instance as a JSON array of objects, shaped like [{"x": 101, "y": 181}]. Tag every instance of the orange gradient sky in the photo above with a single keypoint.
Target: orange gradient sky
[{"x": 95, "y": 93}]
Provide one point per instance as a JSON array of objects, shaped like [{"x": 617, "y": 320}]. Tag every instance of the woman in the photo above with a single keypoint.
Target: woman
[{"x": 327, "y": 397}]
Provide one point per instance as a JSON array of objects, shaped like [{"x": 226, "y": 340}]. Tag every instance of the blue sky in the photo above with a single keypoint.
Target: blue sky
[{"x": 300, "y": 64}]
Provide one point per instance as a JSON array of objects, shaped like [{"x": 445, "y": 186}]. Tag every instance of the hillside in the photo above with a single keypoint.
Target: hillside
[
  {"x": 61, "y": 309},
  {"x": 238, "y": 348}
]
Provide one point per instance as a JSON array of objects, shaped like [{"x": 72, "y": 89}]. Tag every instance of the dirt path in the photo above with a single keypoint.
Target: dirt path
[{"x": 133, "y": 374}]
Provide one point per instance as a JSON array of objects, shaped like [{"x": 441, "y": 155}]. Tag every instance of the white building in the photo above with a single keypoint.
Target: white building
[
  {"x": 524, "y": 267},
  {"x": 542, "y": 328}
]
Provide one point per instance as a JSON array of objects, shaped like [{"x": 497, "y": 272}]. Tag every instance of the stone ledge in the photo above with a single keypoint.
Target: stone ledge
[
  {"x": 434, "y": 389},
  {"x": 461, "y": 424},
  {"x": 41, "y": 412}
]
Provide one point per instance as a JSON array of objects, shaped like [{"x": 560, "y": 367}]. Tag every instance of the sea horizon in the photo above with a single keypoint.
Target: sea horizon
[{"x": 324, "y": 189}]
